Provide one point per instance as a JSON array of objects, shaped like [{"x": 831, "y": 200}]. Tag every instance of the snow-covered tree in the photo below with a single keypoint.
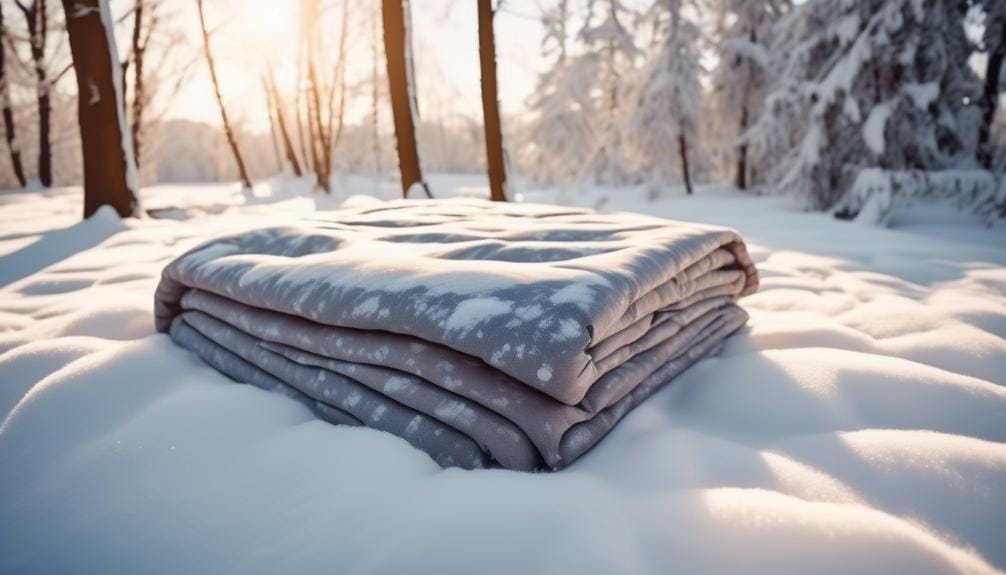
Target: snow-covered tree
[
  {"x": 559, "y": 134},
  {"x": 664, "y": 113},
  {"x": 866, "y": 83},
  {"x": 742, "y": 76},
  {"x": 994, "y": 44},
  {"x": 609, "y": 57}
]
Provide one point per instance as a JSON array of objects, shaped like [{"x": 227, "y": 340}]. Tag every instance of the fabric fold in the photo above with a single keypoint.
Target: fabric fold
[{"x": 486, "y": 334}]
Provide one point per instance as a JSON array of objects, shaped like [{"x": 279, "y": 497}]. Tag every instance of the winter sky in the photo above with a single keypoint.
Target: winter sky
[{"x": 446, "y": 46}]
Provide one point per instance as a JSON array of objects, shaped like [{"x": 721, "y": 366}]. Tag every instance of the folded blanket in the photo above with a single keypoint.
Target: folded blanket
[{"x": 486, "y": 334}]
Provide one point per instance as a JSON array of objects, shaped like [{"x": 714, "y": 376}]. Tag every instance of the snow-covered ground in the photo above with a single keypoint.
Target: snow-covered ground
[{"x": 856, "y": 425}]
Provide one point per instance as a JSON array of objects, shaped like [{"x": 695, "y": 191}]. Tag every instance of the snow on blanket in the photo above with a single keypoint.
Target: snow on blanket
[
  {"x": 856, "y": 425},
  {"x": 378, "y": 316}
]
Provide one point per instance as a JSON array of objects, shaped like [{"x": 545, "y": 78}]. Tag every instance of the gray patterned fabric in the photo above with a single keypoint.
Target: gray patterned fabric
[{"x": 486, "y": 334}]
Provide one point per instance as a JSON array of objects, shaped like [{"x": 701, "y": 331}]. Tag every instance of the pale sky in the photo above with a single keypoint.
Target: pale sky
[{"x": 446, "y": 51}]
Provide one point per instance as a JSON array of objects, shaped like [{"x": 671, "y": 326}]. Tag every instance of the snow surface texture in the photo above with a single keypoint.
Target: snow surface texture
[{"x": 856, "y": 425}]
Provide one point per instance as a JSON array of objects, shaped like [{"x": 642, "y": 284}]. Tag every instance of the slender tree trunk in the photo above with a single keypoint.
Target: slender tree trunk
[
  {"x": 109, "y": 171},
  {"x": 44, "y": 97},
  {"x": 742, "y": 155},
  {"x": 8, "y": 113},
  {"x": 490, "y": 103},
  {"x": 375, "y": 107},
  {"x": 312, "y": 137},
  {"x": 742, "y": 152},
  {"x": 319, "y": 137},
  {"x": 298, "y": 108},
  {"x": 340, "y": 113},
  {"x": 397, "y": 47},
  {"x": 273, "y": 132},
  {"x": 231, "y": 140},
  {"x": 284, "y": 132},
  {"x": 37, "y": 19},
  {"x": 615, "y": 79},
  {"x": 139, "y": 95},
  {"x": 683, "y": 148},
  {"x": 990, "y": 96}
]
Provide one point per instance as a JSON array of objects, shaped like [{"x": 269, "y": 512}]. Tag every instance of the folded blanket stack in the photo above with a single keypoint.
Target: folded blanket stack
[{"x": 485, "y": 334}]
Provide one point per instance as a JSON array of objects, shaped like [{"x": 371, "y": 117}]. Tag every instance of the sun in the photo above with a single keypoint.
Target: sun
[{"x": 265, "y": 25}]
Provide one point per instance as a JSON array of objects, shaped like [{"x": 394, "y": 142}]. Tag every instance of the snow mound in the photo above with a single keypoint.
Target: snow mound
[{"x": 857, "y": 425}]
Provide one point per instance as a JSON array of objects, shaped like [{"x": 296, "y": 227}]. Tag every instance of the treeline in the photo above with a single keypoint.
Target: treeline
[
  {"x": 771, "y": 94},
  {"x": 835, "y": 101}
]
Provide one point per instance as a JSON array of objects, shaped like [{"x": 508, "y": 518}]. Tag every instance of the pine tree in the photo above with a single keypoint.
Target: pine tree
[
  {"x": 865, "y": 83},
  {"x": 664, "y": 114},
  {"x": 742, "y": 76},
  {"x": 559, "y": 133},
  {"x": 610, "y": 55},
  {"x": 994, "y": 43}
]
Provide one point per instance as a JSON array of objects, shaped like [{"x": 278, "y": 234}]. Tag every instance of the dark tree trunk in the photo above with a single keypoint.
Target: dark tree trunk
[
  {"x": 990, "y": 96},
  {"x": 231, "y": 139},
  {"x": 139, "y": 95},
  {"x": 8, "y": 113},
  {"x": 742, "y": 152},
  {"x": 37, "y": 19},
  {"x": 284, "y": 132},
  {"x": 490, "y": 103},
  {"x": 107, "y": 166},
  {"x": 683, "y": 148},
  {"x": 396, "y": 47}
]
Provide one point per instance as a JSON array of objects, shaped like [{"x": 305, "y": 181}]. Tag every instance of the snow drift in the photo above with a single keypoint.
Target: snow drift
[{"x": 855, "y": 425}]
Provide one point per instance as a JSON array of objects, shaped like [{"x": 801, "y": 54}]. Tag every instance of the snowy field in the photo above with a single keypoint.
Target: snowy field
[{"x": 857, "y": 425}]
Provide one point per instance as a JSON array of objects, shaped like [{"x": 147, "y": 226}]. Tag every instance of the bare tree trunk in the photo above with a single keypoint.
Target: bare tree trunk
[
  {"x": 742, "y": 155},
  {"x": 683, "y": 148},
  {"x": 319, "y": 136},
  {"x": 291, "y": 154},
  {"x": 273, "y": 133},
  {"x": 613, "y": 67},
  {"x": 245, "y": 180},
  {"x": 37, "y": 19},
  {"x": 298, "y": 116},
  {"x": 8, "y": 114},
  {"x": 490, "y": 103},
  {"x": 375, "y": 107},
  {"x": 312, "y": 137},
  {"x": 109, "y": 172},
  {"x": 990, "y": 95},
  {"x": 742, "y": 152},
  {"x": 340, "y": 114},
  {"x": 397, "y": 51},
  {"x": 140, "y": 40}
]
